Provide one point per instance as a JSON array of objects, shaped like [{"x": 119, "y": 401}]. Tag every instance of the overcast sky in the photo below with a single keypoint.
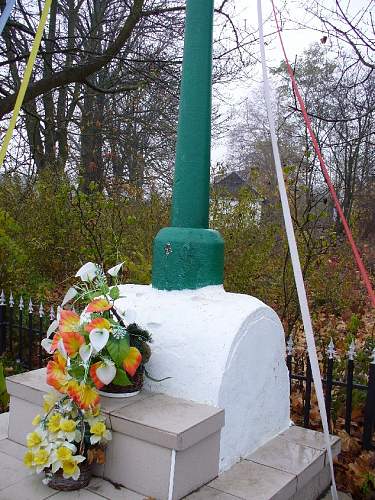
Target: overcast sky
[
  {"x": 296, "y": 40},
  {"x": 299, "y": 30}
]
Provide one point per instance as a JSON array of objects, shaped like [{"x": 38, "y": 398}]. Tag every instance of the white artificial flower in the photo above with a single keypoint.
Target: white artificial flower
[
  {"x": 85, "y": 351},
  {"x": 70, "y": 294},
  {"x": 99, "y": 338},
  {"x": 107, "y": 436},
  {"x": 106, "y": 372},
  {"x": 87, "y": 272},
  {"x": 115, "y": 270},
  {"x": 47, "y": 345},
  {"x": 52, "y": 328}
]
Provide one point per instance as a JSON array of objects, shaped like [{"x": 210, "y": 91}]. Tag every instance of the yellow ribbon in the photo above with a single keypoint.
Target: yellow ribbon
[{"x": 25, "y": 81}]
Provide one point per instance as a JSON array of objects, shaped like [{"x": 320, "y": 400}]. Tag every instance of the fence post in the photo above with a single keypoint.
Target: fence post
[
  {"x": 10, "y": 329},
  {"x": 369, "y": 418},
  {"x": 20, "y": 330},
  {"x": 289, "y": 355},
  {"x": 328, "y": 392},
  {"x": 3, "y": 330},
  {"x": 349, "y": 387},
  {"x": 306, "y": 409},
  {"x": 30, "y": 335},
  {"x": 40, "y": 352}
]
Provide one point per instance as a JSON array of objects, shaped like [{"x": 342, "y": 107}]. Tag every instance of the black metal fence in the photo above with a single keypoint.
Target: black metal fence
[
  {"x": 301, "y": 379},
  {"x": 21, "y": 332},
  {"x": 22, "y": 329}
]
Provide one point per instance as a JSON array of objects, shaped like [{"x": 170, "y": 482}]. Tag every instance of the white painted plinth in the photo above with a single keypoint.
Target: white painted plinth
[{"x": 219, "y": 348}]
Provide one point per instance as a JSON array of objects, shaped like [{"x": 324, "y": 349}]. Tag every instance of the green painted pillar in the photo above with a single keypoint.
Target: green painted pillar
[{"x": 188, "y": 254}]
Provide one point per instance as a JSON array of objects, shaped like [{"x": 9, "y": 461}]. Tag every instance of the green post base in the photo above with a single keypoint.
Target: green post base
[{"x": 187, "y": 258}]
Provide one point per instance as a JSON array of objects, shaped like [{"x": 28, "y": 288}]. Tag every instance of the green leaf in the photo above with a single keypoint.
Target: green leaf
[
  {"x": 114, "y": 293},
  {"x": 77, "y": 372},
  {"x": 121, "y": 378},
  {"x": 118, "y": 349}
]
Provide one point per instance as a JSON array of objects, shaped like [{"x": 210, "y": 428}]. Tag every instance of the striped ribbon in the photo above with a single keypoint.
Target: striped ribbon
[
  {"x": 6, "y": 13},
  {"x": 25, "y": 80},
  {"x": 298, "y": 276}
]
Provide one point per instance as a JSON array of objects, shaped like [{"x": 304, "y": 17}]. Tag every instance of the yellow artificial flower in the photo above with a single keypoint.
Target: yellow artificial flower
[
  {"x": 41, "y": 457},
  {"x": 98, "y": 429},
  {"x": 28, "y": 459},
  {"x": 99, "y": 432},
  {"x": 67, "y": 425},
  {"x": 54, "y": 423},
  {"x": 63, "y": 454},
  {"x": 69, "y": 467},
  {"x": 33, "y": 439},
  {"x": 49, "y": 401},
  {"x": 36, "y": 420}
]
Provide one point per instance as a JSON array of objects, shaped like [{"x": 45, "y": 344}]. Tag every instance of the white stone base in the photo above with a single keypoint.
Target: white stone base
[{"x": 222, "y": 349}]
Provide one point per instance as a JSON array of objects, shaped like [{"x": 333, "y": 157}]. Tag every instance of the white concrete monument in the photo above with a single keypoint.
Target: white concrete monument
[{"x": 220, "y": 348}]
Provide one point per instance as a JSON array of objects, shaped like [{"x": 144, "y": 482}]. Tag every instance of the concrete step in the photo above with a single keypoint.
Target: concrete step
[
  {"x": 248, "y": 479},
  {"x": 159, "y": 443},
  {"x": 292, "y": 466},
  {"x": 165, "y": 447}
]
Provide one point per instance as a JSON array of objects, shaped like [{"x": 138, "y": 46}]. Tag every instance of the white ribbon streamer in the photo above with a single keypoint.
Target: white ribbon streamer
[{"x": 298, "y": 277}]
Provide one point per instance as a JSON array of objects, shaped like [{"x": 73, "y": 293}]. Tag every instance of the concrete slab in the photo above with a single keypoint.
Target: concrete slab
[
  {"x": 29, "y": 488},
  {"x": 169, "y": 422},
  {"x": 107, "y": 490},
  {"x": 251, "y": 481},
  {"x": 313, "y": 439},
  {"x": 314, "y": 488},
  {"x": 4, "y": 422},
  {"x": 293, "y": 458},
  {"x": 341, "y": 495},
  {"x": 12, "y": 449},
  {"x": 196, "y": 465},
  {"x": 77, "y": 495},
  {"x": 30, "y": 386},
  {"x": 22, "y": 412},
  {"x": 138, "y": 465},
  {"x": 246, "y": 481},
  {"x": 11, "y": 471},
  {"x": 208, "y": 493}
]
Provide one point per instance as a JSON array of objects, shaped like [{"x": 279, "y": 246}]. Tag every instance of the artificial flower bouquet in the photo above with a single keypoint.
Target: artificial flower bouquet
[
  {"x": 98, "y": 347},
  {"x": 95, "y": 349},
  {"x": 65, "y": 442}
]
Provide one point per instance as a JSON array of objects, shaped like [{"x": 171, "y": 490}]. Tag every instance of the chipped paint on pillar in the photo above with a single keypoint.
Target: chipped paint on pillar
[{"x": 187, "y": 258}]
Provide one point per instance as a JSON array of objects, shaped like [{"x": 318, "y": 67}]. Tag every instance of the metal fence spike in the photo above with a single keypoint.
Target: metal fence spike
[
  {"x": 351, "y": 351},
  {"x": 51, "y": 314},
  {"x": 331, "y": 349},
  {"x": 41, "y": 310},
  {"x": 31, "y": 306},
  {"x": 11, "y": 300},
  {"x": 289, "y": 346},
  {"x": 2, "y": 298},
  {"x": 21, "y": 304}
]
